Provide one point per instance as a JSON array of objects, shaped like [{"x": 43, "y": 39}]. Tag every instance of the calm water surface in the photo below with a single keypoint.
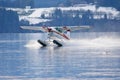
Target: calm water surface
[{"x": 87, "y": 56}]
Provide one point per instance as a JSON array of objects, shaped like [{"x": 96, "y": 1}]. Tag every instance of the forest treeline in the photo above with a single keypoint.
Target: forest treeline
[
  {"x": 9, "y": 21},
  {"x": 77, "y": 18}
]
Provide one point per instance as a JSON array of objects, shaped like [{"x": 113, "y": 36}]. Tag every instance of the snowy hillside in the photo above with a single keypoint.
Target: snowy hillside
[
  {"x": 34, "y": 15},
  {"x": 47, "y": 11}
]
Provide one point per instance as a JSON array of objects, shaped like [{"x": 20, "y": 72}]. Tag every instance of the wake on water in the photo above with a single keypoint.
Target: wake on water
[{"x": 100, "y": 42}]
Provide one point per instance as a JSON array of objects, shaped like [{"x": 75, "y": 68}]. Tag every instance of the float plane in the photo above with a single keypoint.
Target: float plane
[{"x": 55, "y": 34}]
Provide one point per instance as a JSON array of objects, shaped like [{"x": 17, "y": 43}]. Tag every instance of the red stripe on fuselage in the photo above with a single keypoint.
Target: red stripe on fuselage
[{"x": 61, "y": 34}]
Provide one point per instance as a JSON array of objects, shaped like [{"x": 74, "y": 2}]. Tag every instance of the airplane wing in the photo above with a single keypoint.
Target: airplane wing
[
  {"x": 60, "y": 29},
  {"x": 34, "y": 28},
  {"x": 74, "y": 28}
]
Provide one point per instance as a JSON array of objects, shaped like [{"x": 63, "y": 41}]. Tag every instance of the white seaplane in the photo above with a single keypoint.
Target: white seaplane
[{"x": 55, "y": 34}]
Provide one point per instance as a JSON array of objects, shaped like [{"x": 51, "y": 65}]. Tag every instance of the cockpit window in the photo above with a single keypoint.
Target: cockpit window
[{"x": 59, "y": 29}]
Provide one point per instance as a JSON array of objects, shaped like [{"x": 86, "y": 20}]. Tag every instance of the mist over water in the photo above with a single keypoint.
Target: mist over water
[
  {"x": 87, "y": 56},
  {"x": 86, "y": 40}
]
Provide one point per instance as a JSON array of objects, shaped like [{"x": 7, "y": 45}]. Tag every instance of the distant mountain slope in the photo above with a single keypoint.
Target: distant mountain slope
[{"x": 38, "y": 15}]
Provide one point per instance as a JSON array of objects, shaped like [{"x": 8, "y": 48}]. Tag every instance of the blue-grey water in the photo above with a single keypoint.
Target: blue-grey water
[{"x": 87, "y": 56}]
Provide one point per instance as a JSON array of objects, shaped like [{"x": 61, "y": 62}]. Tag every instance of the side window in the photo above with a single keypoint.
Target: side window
[{"x": 59, "y": 29}]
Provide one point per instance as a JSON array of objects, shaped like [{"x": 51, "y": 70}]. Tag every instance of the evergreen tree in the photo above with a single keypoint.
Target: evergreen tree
[
  {"x": 9, "y": 21},
  {"x": 57, "y": 14}
]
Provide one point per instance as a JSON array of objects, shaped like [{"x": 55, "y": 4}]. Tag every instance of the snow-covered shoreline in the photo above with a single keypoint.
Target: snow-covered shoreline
[{"x": 35, "y": 13}]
